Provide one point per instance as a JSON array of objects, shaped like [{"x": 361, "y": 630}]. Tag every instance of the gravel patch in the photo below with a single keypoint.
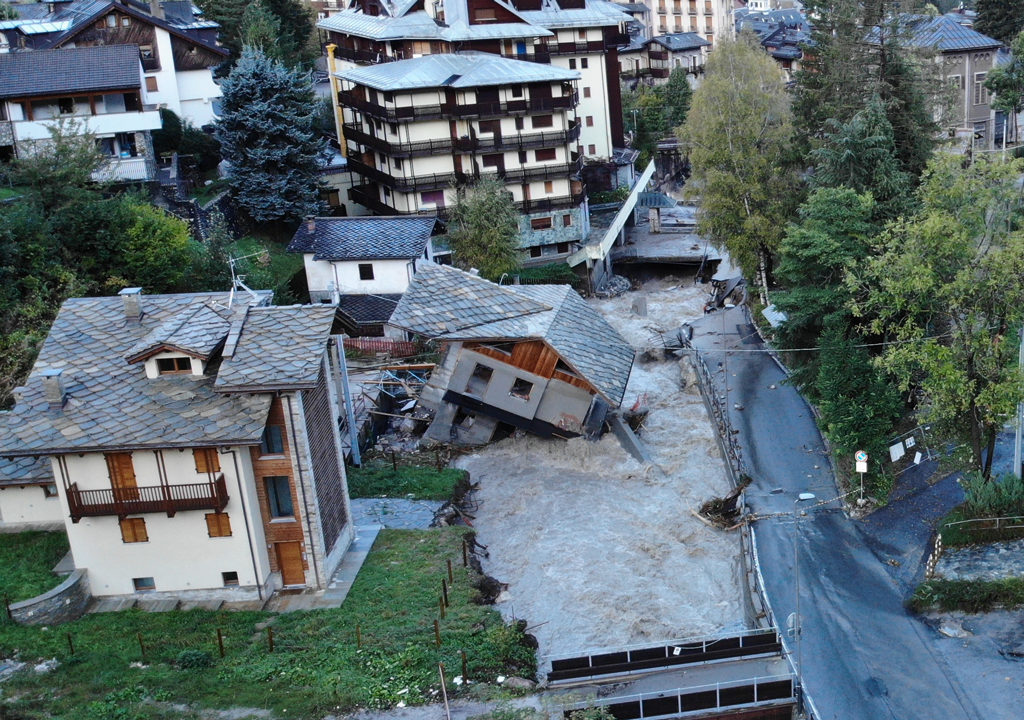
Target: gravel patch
[
  {"x": 993, "y": 561},
  {"x": 394, "y": 513}
]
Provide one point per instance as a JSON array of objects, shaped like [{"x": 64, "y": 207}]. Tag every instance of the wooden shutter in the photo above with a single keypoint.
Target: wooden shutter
[
  {"x": 133, "y": 530},
  {"x": 218, "y": 525},
  {"x": 206, "y": 459},
  {"x": 122, "y": 476}
]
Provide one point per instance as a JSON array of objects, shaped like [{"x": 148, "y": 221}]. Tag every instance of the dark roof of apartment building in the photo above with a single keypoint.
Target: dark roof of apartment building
[
  {"x": 71, "y": 70},
  {"x": 679, "y": 42},
  {"x": 946, "y": 34},
  {"x": 365, "y": 238}
]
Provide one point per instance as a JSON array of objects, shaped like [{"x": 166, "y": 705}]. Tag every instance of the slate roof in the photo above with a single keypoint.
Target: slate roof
[
  {"x": 25, "y": 471},
  {"x": 678, "y": 42},
  {"x": 368, "y": 309},
  {"x": 365, "y": 238},
  {"x": 196, "y": 331},
  {"x": 279, "y": 348},
  {"x": 946, "y": 34},
  {"x": 457, "y": 70},
  {"x": 85, "y": 69},
  {"x": 449, "y": 304},
  {"x": 655, "y": 200}
]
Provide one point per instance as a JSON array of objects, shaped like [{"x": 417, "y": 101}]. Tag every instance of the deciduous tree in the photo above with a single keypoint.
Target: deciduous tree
[
  {"x": 483, "y": 229},
  {"x": 738, "y": 135},
  {"x": 1006, "y": 83}
]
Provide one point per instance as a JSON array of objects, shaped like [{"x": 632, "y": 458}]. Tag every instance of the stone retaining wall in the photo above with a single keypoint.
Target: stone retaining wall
[{"x": 64, "y": 603}]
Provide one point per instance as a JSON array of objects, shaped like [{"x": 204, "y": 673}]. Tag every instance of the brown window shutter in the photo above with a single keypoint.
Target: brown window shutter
[
  {"x": 218, "y": 525},
  {"x": 133, "y": 530},
  {"x": 206, "y": 460}
]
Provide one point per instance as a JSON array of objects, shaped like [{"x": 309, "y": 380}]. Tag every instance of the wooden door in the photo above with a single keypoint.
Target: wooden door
[
  {"x": 289, "y": 559},
  {"x": 122, "y": 476}
]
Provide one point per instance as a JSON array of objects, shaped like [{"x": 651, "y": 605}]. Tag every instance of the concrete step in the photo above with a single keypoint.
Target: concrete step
[
  {"x": 66, "y": 566},
  {"x": 113, "y": 604},
  {"x": 207, "y": 605},
  {"x": 158, "y": 606}
]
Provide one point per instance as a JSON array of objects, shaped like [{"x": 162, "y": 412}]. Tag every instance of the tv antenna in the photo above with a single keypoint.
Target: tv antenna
[{"x": 238, "y": 281}]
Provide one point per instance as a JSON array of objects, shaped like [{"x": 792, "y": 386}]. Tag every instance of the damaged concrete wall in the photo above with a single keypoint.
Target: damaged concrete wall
[{"x": 565, "y": 406}]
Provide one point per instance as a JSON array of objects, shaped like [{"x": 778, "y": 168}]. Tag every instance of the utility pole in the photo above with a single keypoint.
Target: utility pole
[
  {"x": 350, "y": 415},
  {"x": 1020, "y": 415}
]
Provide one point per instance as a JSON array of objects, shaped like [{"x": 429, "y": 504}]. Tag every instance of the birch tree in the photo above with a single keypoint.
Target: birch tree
[{"x": 738, "y": 135}]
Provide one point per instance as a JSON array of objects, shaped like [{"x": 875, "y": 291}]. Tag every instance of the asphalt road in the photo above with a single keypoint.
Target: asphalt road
[{"x": 864, "y": 656}]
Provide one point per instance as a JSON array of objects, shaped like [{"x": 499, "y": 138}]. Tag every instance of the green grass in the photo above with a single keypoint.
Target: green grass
[
  {"x": 971, "y": 596},
  {"x": 206, "y": 193},
  {"x": 8, "y": 193},
  {"x": 316, "y": 667},
  {"x": 26, "y": 563},
  {"x": 422, "y": 483},
  {"x": 974, "y": 533}
]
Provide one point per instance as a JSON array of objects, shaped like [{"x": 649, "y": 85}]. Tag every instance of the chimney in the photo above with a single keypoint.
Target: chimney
[
  {"x": 132, "y": 303},
  {"x": 310, "y": 224},
  {"x": 474, "y": 272},
  {"x": 53, "y": 387},
  {"x": 156, "y": 9}
]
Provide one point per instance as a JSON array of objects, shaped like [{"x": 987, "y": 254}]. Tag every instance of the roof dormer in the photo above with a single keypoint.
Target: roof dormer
[
  {"x": 183, "y": 344},
  {"x": 174, "y": 363}
]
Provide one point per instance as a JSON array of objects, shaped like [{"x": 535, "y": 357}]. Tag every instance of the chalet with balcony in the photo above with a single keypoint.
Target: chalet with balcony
[
  {"x": 418, "y": 128},
  {"x": 783, "y": 34},
  {"x": 656, "y": 58},
  {"x": 532, "y": 357},
  {"x": 174, "y": 45},
  {"x": 191, "y": 442},
  {"x": 364, "y": 264},
  {"x": 576, "y": 35},
  {"x": 99, "y": 89}
]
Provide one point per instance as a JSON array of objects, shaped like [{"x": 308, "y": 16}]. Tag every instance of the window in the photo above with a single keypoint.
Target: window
[
  {"x": 218, "y": 525},
  {"x": 144, "y": 584},
  {"x": 66, "y": 106},
  {"x": 549, "y": 187},
  {"x": 484, "y": 15},
  {"x": 517, "y": 91},
  {"x": 279, "y": 496},
  {"x": 206, "y": 460},
  {"x": 230, "y": 579},
  {"x": 479, "y": 380},
  {"x": 393, "y": 128},
  {"x": 522, "y": 157},
  {"x": 272, "y": 442},
  {"x": 592, "y": 149},
  {"x": 584, "y": 63},
  {"x": 519, "y": 123},
  {"x": 590, "y": 121},
  {"x": 111, "y": 20},
  {"x": 542, "y": 121},
  {"x": 535, "y": 252},
  {"x": 106, "y": 146},
  {"x": 956, "y": 81},
  {"x": 173, "y": 366},
  {"x": 567, "y": 220},
  {"x": 562, "y": 248},
  {"x": 389, "y": 97},
  {"x": 398, "y": 163},
  {"x": 496, "y": 160},
  {"x": 366, "y": 271},
  {"x": 545, "y": 155},
  {"x": 488, "y": 127},
  {"x": 521, "y": 389},
  {"x": 572, "y": 63},
  {"x": 583, "y": 34},
  {"x": 133, "y": 530},
  {"x": 126, "y": 21},
  {"x": 126, "y": 144},
  {"x": 980, "y": 91},
  {"x": 435, "y": 197},
  {"x": 146, "y": 52},
  {"x": 540, "y": 223},
  {"x": 505, "y": 347},
  {"x": 50, "y": 491},
  {"x": 586, "y": 92}
]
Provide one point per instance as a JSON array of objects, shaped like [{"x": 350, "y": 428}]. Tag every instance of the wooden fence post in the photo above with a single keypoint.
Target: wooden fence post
[
  {"x": 142, "y": 646},
  {"x": 359, "y": 637},
  {"x": 71, "y": 644},
  {"x": 451, "y": 575},
  {"x": 220, "y": 642},
  {"x": 444, "y": 592},
  {"x": 270, "y": 638},
  {"x": 437, "y": 633},
  {"x": 465, "y": 667}
]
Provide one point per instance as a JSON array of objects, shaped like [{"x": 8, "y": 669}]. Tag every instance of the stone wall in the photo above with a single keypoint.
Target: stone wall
[{"x": 64, "y": 603}]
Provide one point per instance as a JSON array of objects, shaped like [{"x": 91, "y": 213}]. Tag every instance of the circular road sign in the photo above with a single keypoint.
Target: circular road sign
[{"x": 861, "y": 456}]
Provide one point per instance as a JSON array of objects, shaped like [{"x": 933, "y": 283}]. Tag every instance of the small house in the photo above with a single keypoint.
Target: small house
[{"x": 533, "y": 357}]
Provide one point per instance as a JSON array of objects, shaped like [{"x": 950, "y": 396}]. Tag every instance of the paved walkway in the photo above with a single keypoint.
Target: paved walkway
[
  {"x": 865, "y": 657},
  {"x": 394, "y": 513}
]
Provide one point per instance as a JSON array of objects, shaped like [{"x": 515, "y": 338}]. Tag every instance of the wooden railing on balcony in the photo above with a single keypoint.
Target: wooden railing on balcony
[
  {"x": 212, "y": 495},
  {"x": 439, "y": 181}
]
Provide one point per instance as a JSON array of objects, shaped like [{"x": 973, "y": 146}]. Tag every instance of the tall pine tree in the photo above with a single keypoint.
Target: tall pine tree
[
  {"x": 1000, "y": 19},
  {"x": 266, "y": 132}
]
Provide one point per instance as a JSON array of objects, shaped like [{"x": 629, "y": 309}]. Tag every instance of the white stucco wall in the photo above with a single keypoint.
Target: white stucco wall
[
  {"x": 196, "y": 92},
  {"x": 167, "y": 85},
  {"x": 389, "y": 276},
  {"x": 180, "y": 556},
  {"x": 595, "y": 77},
  {"x": 28, "y": 505}
]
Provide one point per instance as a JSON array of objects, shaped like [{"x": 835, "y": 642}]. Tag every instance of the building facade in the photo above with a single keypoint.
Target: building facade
[
  {"x": 193, "y": 443},
  {"x": 658, "y": 57}
]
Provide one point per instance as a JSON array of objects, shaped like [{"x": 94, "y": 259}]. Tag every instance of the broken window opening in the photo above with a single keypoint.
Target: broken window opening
[
  {"x": 479, "y": 380},
  {"x": 521, "y": 389}
]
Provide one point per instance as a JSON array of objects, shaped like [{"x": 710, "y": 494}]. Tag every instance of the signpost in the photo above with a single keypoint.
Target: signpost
[{"x": 861, "y": 459}]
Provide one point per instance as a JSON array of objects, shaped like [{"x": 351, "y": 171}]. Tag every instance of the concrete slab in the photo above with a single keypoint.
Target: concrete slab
[
  {"x": 207, "y": 605},
  {"x": 114, "y": 604},
  {"x": 158, "y": 606},
  {"x": 66, "y": 566}
]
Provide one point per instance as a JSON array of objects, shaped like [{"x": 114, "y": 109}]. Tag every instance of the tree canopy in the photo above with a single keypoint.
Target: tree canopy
[
  {"x": 1000, "y": 19},
  {"x": 483, "y": 229},
  {"x": 1006, "y": 83},
  {"x": 738, "y": 135},
  {"x": 267, "y": 134}
]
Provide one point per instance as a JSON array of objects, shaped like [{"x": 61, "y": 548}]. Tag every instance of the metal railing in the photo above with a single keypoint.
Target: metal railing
[
  {"x": 212, "y": 495},
  {"x": 450, "y": 110},
  {"x": 462, "y": 144},
  {"x": 367, "y": 196},
  {"x": 438, "y": 181}
]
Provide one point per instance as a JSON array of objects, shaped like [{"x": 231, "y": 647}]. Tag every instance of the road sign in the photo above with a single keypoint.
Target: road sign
[
  {"x": 861, "y": 457},
  {"x": 862, "y": 467}
]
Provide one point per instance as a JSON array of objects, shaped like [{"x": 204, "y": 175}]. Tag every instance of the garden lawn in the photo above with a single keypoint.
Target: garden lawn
[
  {"x": 316, "y": 667},
  {"x": 422, "y": 483},
  {"x": 26, "y": 563},
  {"x": 971, "y": 596}
]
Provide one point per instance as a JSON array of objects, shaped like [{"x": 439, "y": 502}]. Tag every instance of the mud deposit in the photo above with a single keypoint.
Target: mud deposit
[{"x": 599, "y": 550}]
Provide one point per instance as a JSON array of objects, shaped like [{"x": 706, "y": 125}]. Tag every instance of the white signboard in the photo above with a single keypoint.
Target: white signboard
[
  {"x": 910, "y": 441},
  {"x": 896, "y": 451},
  {"x": 862, "y": 467}
]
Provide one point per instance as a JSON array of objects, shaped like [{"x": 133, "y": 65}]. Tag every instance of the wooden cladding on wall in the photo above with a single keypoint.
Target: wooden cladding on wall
[{"x": 327, "y": 465}]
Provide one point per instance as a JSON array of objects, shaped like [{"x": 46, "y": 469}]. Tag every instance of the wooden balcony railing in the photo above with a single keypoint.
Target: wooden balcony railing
[{"x": 170, "y": 499}]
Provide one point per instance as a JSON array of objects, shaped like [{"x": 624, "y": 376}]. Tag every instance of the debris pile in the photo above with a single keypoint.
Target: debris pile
[{"x": 724, "y": 512}]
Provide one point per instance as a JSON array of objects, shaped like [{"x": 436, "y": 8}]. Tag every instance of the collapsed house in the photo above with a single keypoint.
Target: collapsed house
[{"x": 537, "y": 358}]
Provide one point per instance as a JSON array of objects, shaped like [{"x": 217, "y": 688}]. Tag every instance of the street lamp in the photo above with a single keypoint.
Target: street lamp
[{"x": 796, "y": 621}]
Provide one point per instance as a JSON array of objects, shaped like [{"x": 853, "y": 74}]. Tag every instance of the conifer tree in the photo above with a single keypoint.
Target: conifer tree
[
  {"x": 266, "y": 132},
  {"x": 1000, "y": 19}
]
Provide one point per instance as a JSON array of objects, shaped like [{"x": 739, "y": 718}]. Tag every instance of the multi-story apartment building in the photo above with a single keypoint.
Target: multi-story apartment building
[
  {"x": 579, "y": 35},
  {"x": 658, "y": 57},
  {"x": 98, "y": 89},
  {"x": 174, "y": 45},
  {"x": 417, "y": 128},
  {"x": 711, "y": 19},
  {"x": 189, "y": 443}
]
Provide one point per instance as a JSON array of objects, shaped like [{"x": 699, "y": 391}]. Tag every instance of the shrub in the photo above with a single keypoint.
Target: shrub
[
  {"x": 193, "y": 659},
  {"x": 992, "y": 498},
  {"x": 972, "y": 596}
]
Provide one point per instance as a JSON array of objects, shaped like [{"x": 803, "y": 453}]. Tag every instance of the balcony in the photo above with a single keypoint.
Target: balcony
[
  {"x": 677, "y": 9},
  {"x": 363, "y": 56},
  {"x": 117, "y": 170},
  {"x": 516, "y": 107},
  {"x": 566, "y": 202},
  {"x": 657, "y": 54},
  {"x": 406, "y": 184},
  {"x": 661, "y": 72},
  {"x": 170, "y": 499},
  {"x": 368, "y": 197},
  {"x": 466, "y": 144}
]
